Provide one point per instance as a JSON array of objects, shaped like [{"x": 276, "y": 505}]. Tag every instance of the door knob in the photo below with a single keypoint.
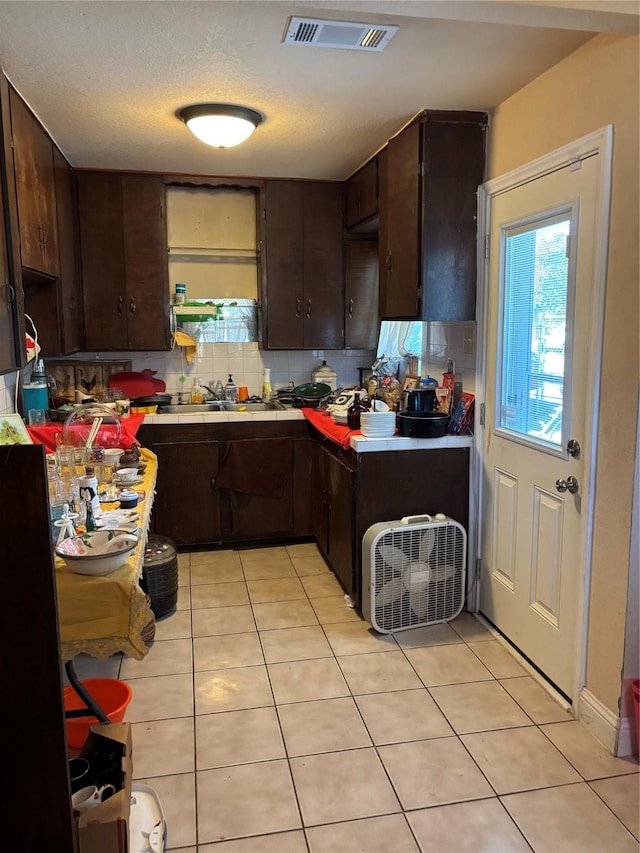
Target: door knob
[{"x": 568, "y": 485}]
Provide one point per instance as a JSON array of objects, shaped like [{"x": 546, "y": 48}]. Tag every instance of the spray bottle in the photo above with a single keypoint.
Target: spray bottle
[{"x": 266, "y": 385}]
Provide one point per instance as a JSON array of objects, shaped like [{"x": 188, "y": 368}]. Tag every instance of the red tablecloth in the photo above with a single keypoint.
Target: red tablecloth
[
  {"x": 325, "y": 424},
  {"x": 47, "y": 434}
]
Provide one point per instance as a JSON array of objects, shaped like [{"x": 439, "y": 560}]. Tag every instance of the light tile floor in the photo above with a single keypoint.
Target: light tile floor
[{"x": 270, "y": 719}]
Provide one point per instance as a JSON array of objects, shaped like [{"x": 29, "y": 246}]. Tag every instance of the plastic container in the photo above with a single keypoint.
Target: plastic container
[
  {"x": 35, "y": 395},
  {"x": 110, "y": 695},
  {"x": 180, "y": 294},
  {"x": 325, "y": 374}
]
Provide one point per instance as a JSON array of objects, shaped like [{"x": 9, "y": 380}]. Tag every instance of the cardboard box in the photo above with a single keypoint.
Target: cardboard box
[{"x": 105, "y": 829}]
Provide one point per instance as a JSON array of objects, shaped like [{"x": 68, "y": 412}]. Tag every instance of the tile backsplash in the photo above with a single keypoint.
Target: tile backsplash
[{"x": 246, "y": 362}]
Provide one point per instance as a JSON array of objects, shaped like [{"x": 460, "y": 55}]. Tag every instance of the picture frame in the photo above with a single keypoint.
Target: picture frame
[
  {"x": 410, "y": 382},
  {"x": 13, "y": 430}
]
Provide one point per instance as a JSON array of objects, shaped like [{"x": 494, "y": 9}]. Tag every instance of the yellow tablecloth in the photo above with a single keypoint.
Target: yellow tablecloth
[{"x": 100, "y": 616}]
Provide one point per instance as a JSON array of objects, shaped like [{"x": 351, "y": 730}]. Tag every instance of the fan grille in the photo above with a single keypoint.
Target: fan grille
[{"x": 417, "y": 575}]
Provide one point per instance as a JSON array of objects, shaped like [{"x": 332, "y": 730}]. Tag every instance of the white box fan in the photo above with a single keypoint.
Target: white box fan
[{"x": 413, "y": 572}]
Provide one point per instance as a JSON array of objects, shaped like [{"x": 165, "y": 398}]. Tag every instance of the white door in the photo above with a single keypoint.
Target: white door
[{"x": 539, "y": 328}]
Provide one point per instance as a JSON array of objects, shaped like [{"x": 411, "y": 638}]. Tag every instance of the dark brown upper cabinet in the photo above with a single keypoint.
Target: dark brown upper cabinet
[
  {"x": 361, "y": 325},
  {"x": 428, "y": 211},
  {"x": 69, "y": 284},
  {"x": 124, "y": 261},
  {"x": 362, "y": 199},
  {"x": 36, "y": 190},
  {"x": 12, "y": 351},
  {"x": 303, "y": 282}
]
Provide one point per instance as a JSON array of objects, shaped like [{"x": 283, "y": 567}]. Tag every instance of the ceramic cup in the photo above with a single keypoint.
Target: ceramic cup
[
  {"x": 126, "y": 475},
  {"x": 90, "y": 797}
]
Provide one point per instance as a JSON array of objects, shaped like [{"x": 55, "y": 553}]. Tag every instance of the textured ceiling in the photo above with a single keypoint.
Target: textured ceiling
[{"x": 106, "y": 78}]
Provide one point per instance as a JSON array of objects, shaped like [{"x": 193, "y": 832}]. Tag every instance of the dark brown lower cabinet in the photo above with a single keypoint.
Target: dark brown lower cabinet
[
  {"x": 187, "y": 504},
  {"x": 353, "y": 491},
  {"x": 192, "y": 509},
  {"x": 333, "y": 501},
  {"x": 261, "y": 516},
  {"x": 330, "y": 494}
]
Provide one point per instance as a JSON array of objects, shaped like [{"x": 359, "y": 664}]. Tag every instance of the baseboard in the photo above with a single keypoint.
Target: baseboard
[
  {"x": 627, "y": 737},
  {"x": 598, "y": 720}
]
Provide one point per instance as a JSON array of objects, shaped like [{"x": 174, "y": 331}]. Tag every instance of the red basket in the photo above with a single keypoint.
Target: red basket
[{"x": 110, "y": 695}]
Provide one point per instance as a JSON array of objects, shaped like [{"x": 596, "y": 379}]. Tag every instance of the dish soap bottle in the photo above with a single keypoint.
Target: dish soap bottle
[
  {"x": 266, "y": 385},
  {"x": 230, "y": 391},
  {"x": 196, "y": 391}
]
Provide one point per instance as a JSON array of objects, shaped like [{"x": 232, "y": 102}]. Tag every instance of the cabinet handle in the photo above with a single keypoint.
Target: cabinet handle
[
  {"x": 298, "y": 307},
  {"x": 350, "y": 309},
  {"x": 120, "y": 304},
  {"x": 10, "y": 290},
  {"x": 308, "y": 308},
  {"x": 389, "y": 261},
  {"x": 213, "y": 482},
  {"x": 132, "y": 305}
]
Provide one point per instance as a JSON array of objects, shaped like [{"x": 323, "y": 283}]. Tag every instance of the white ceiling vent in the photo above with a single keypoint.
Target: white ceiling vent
[{"x": 313, "y": 32}]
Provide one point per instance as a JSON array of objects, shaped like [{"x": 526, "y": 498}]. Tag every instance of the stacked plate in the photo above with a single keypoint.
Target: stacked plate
[{"x": 378, "y": 424}]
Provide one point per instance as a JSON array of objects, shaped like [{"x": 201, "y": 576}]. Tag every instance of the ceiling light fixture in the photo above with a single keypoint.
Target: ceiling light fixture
[{"x": 220, "y": 125}]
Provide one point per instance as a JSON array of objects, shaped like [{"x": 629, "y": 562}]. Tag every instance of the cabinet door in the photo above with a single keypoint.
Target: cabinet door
[
  {"x": 340, "y": 551},
  {"x": 10, "y": 287},
  {"x": 103, "y": 266},
  {"x": 69, "y": 284},
  {"x": 361, "y": 323},
  {"x": 323, "y": 266},
  {"x": 362, "y": 196},
  {"x": 399, "y": 279},
  {"x": 319, "y": 498},
  {"x": 187, "y": 505},
  {"x": 284, "y": 254},
  {"x": 35, "y": 186},
  {"x": 145, "y": 259},
  {"x": 302, "y": 494},
  {"x": 456, "y": 150}
]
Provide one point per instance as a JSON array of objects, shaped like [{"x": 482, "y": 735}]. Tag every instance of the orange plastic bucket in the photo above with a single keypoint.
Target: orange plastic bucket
[{"x": 111, "y": 696}]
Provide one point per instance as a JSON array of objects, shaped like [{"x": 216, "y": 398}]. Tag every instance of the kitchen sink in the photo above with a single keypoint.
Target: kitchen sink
[
  {"x": 190, "y": 408},
  {"x": 218, "y": 406}
]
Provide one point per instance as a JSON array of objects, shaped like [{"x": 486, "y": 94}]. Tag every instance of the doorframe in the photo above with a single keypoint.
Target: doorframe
[{"x": 598, "y": 142}]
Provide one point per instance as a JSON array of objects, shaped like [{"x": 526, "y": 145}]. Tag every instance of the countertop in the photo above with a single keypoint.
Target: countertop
[{"x": 357, "y": 442}]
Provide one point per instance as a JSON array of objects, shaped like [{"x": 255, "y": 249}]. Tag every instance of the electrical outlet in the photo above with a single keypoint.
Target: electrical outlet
[{"x": 469, "y": 340}]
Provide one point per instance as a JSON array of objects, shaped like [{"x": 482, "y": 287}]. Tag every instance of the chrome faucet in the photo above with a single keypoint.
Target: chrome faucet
[{"x": 211, "y": 395}]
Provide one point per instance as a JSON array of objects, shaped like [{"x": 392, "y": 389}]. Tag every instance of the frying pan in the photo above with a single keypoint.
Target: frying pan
[{"x": 152, "y": 400}]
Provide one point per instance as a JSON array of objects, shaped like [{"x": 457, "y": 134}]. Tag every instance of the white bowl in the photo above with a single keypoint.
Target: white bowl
[{"x": 76, "y": 552}]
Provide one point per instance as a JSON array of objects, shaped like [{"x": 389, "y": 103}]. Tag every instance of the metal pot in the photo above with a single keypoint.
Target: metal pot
[
  {"x": 312, "y": 392},
  {"x": 422, "y": 424}
]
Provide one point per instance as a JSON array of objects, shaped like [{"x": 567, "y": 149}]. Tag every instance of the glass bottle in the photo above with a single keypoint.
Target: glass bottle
[
  {"x": 354, "y": 412},
  {"x": 218, "y": 389}
]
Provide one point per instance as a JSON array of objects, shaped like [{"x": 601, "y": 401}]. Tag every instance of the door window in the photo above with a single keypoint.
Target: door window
[{"x": 533, "y": 396}]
